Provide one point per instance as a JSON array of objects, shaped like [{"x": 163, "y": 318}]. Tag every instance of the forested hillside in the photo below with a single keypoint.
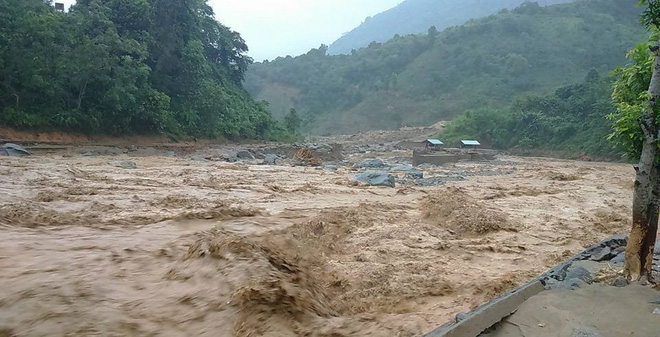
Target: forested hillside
[
  {"x": 570, "y": 121},
  {"x": 421, "y": 79},
  {"x": 416, "y": 16},
  {"x": 126, "y": 67}
]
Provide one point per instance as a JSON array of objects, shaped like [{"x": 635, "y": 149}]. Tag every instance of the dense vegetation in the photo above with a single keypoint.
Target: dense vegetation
[
  {"x": 483, "y": 65},
  {"x": 124, "y": 67},
  {"x": 416, "y": 16},
  {"x": 571, "y": 121}
]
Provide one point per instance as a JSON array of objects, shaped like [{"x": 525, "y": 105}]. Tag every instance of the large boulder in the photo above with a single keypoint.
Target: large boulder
[
  {"x": 270, "y": 159},
  {"x": 14, "y": 150},
  {"x": 375, "y": 179},
  {"x": 371, "y": 163},
  {"x": 243, "y": 154}
]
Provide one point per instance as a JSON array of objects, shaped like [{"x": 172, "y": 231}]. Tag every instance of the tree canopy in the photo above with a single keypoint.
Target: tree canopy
[
  {"x": 570, "y": 122},
  {"x": 629, "y": 96},
  {"x": 126, "y": 66}
]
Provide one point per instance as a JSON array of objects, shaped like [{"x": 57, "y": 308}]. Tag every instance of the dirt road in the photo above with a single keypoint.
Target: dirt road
[{"x": 179, "y": 247}]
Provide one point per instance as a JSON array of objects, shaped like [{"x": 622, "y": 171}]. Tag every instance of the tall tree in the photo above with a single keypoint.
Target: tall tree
[
  {"x": 292, "y": 121},
  {"x": 636, "y": 94},
  {"x": 126, "y": 66}
]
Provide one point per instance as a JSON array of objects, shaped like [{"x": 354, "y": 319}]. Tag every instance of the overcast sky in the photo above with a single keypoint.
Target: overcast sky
[
  {"x": 274, "y": 28},
  {"x": 291, "y": 27}
]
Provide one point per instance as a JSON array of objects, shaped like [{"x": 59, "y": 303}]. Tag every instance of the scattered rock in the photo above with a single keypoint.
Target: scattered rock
[
  {"x": 604, "y": 254},
  {"x": 620, "y": 282},
  {"x": 403, "y": 169},
  {"x": 375, "y": 179},
  {"x": 573, "y": 283},
  {"x": 619, "y": 258},
  {"x": 656, "y": 311},
  {"x": 550, "y": 283},
  {"x": 437, "y": 181},
  {"x": 617, "y": 241},
  {"x": 131, "y": 165},
  {"x": 198, "y": 158},
  {"x": 243, "y": 154},
  {"x": 484, "y": 173},
  {"x": 170, "y": 154},
  {"x": 578, "y": 272},
  {"x": 618, "y": 250},
  {"x": 461, "y": 316},
  {"x": 371, "y": 163},
  {"x": 147, "y": 151},
  {"x": 331, "y": 168},
  {"x": 90, "y": 151},
  {"x": 14, "y": 150},
  {"x": 415, "y": 174},
  {"x": 269, "y": 159},
  {"x": 585, "y": 332},
  {"x": 229, "y": 157}
]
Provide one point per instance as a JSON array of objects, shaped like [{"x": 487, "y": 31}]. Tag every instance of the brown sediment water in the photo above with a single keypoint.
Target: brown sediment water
[{"x": 177, "y": 247}]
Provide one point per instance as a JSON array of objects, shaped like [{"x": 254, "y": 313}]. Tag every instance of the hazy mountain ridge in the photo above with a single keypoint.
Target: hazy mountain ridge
[
  {"x": 420, "y": 79},
  {"x": 416, "y": 16}
]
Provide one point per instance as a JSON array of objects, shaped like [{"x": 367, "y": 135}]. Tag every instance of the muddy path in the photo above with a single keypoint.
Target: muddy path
[{"x": 179, "y": 247}]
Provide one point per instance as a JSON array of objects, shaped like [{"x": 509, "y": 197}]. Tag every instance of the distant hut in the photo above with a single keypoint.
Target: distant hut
[
  {"x": 59, "y": 6},
  {"x": 433, "y": 144},
  {"x": 470, "y": 144}
]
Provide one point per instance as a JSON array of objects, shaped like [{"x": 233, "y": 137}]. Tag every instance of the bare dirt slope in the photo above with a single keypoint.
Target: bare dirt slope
[{"x": 184, "y": 248}]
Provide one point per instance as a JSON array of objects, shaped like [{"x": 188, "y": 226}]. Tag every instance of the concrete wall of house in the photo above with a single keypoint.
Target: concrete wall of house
[
  {"x": 420, "y": 157},
  {"x": 437, "y": 159}
]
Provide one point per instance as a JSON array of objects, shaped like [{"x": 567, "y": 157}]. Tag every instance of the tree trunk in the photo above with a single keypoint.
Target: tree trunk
[
  {"x": 646, "y": 196},
  {"x": 81, "y": 93},
  {"x": 635, "y": 267},
  {"x": 652, "y": 231}
]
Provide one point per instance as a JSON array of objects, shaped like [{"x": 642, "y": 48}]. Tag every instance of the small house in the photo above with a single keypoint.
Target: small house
[
  {"x": 433, "y": 143},
  {"x": 59, "y": 6},
  {"x": 470, "y": 144}
]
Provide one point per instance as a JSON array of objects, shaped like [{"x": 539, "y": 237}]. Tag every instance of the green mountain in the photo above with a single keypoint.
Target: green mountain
[
  {"x": 125, "y": 67},
  {"x": 421, "y": 79},
  {"x": 416, "y": 16}
]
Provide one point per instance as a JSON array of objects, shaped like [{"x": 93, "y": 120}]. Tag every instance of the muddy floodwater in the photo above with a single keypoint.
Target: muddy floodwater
[{"x": 179, "y": 247}]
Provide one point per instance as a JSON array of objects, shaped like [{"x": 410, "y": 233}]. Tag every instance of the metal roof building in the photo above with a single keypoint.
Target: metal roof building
[
  {"x": 435, "y": 142},
  {"x": 470, "y": 143}
]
